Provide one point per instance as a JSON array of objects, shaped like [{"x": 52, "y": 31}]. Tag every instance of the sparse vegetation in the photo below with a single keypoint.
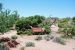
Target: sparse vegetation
[
  {"x": 59, "y": 40},
  {"x": 30, "y": 44}
]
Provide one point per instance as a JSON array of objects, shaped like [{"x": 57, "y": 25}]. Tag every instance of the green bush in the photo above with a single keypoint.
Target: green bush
[
  {"x": 14, "y": 37},
  {"x": 30, "y": 44},
  {"x": 46, "y": 26},
  {"x": 69, "y": 31},
  {"x": 73, "y": 20},
  {"x": 19, "y": 32},
  {"x": 7, "y": 20},
  {"x": 64, "y": 22},
  {"x": 61, "y": 25},
  {"x": 24, "y": 23},
  {"x": 59, "y": 40},
  {"x": 26, "y": 32},
  {"x": 73, "y": 31},
  {"x": 47, "y": 29}
]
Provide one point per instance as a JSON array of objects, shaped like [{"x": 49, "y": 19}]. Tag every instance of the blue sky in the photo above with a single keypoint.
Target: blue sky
[{"x": 56, "y": 8}]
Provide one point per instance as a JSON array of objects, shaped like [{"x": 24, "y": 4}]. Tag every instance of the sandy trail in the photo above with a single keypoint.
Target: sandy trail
[{"x": 9, "y": 34}]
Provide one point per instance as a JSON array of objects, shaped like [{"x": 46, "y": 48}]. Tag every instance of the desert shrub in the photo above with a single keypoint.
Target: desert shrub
[
  {"x": 48, "y": 37},
  {"x": 61, "y": 25},
  {"x": 66, "y": 37},
  {"x": 60, "y": 30},
  {"x": 46, "y": 26},
  {"x": 73, "y": 31},
  {"x": 38, "y": 38},
  {"x": 30, "y": 44},
  {"x": 48, "y": 31},
  {"x": 26, "y": 32},
  {"x": 73, "y": 20},
  {"x": 69, "y": 31},
  {"x": 2, "y": 46},
  {"x": 7, "y": 20},
  {"x": 24, "y": 23},
  {"x": 14, "y": 37},
  {"x": 22, "y": 48},
  {"x": 59, "y": 40},
  {"x": 64, "y": 22},
  {"x": 19, "y": 32}
]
